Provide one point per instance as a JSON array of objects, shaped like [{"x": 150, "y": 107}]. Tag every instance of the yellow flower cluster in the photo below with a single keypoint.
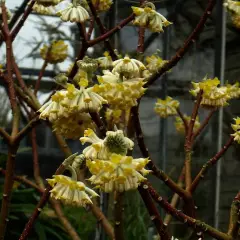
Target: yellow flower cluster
[
  {"x": 67, "y": 106},
  {"x": 233, "y": 6},
  {"x": 179, "y": 125},
  {"x": 106, "y": 158},
  {"x": 102, "y": 5},
  {"x": 119, "y": 173},
  {"x": 149, "y": 18},
  {"x": 167, "y": 107},
  {"x": 213, "y": 94},
  {"x": 155, "y": 63},
  {"x": 113, "y": 115},
  {"x": 106, "y": 61},
  {"x": 70, "y": 192},
  {"x": 236, "y": 128},
  {"x": 55, "y": 53}
]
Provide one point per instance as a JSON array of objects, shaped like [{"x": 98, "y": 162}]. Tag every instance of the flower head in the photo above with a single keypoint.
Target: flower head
[
  {"x": 120, "y": 173},
  {"x": 149, "y": 18},
  {"x": 106, "y": 61},
  {"x": 55, "y": 53},
  {"x": 102, "y": 5},
  {"x": 70, "y": 192},
  {"x": 88, "y": 64},
  {"x": 213, "y": 94},
  {"x": 41, "y": 9},
  {"x": 74, "y": 13},
  {"x": 167, "y": 107},
  {"x": 233, "y": 90},
  {"x": 128, "y": 67},
  {"x": 179, "y": 125},
  {"x": 236, "y": 128},
  {"x": 154, "y": 63},
  {"x": 233, "y": 6}
]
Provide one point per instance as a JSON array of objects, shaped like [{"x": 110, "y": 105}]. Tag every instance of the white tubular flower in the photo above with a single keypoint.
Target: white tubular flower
[
  {"x": 120, "y": 173},
  {"x": 106, "y": 61},
  {"x": 128, "y": 67},
  {"x": 48, "y": 3},
  {"x": 83, "y": 100},
  {"x": 70, "y": 192},
  {"x": 97, "y": 149},
  {"x": 167, "y": 107},
  {"x": 53, "y": 109},
  {"x": 74, "y": 13},
  {"x": 149, "y": 18},
  {"x": 38, "y": 8}
]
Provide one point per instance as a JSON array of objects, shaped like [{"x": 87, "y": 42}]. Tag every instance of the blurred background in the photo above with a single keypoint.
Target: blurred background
[{"x": 215, "y": 53}]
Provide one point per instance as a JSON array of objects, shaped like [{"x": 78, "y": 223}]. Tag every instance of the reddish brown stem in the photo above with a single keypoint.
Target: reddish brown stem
[
  {"x": 204, "y": 124},
  {"x": 183, "y": 119},
  {"x": 41, "y": 73},
  {"x": 97, "y": 120},
  {"x": 118, "y": 216},
  {"x": 91, "y": 27},
  {"x": 210, "y": 163},
  {"x": 21, "y": 22},
  {"x": 196, "y": 225},
  {"x": 102, "y": 29},
  {"x": 39, "y": 207},
  {"x": 153, "y": 212},
  {"x": 188, "y": 42},
  {"x": 112, "y": 31}
]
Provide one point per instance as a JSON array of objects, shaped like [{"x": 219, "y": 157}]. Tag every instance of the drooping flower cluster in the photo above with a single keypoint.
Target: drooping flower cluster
[
  {"x": 106, "y": 158},
  {"x": 41, "y": 9},
  {"x": 236, "y": 128},
  {"x": 179, "y": 125},
  {"x": 167, "y": 107},
  {"x": 55, "y": 53},
  {"x": 154, "y": 63},
  {"x": 213, "y": 94},
  {"x": 148, "y": 17},
  {"x": 123, "y": 85},
  {"x": 68, "y": 109}
]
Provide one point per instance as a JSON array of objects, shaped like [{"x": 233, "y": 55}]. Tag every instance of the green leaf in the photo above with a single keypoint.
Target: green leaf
[
  {"x": 40, "y": 231},
  {"x": 54, "y": 232}
]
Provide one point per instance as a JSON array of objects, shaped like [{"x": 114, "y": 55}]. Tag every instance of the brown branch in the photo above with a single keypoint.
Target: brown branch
[
  {"x": 234, "y": 223},
  {"x": 112, "y": 31},
  {"x": 5, "y": 135},
  {"x": 91, "y": 27},
  {"x": 188, "y": 42},
  {"x": 188, "y": 142},
  {"x": 196, "y": 225},
  {"x": 204, "y": 124},
  {"x": 37, "y": 85},
  {"x": 97, "y": 120},
  {"x": 21, "y": 22},
  {"x": 210, "y": 163},
  {"x": 183, "y": 119},
  {"x": 102, "y": 29},
  {"x": 153, "y": 212},
  {"x": 118, "y": 216}
]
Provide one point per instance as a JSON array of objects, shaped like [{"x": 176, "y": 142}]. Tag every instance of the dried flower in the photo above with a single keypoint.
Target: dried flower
[
  {"x": 167, "y": 107},
  {"x": 55, "y": 53},
  {"x": 74, "y": 13},
  {"x": 70, "y": 192},
  {"x": 120, "y": 173}
]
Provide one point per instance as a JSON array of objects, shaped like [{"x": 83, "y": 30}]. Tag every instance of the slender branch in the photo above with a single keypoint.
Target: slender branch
[
  {"x": 196, "y": 225},
  {"x": 21, "y": 22},
  {"x": 210, "y": 163},
  {"x": 234, "y": 223},
  {"x": 5, "y": 135},
  {"x": 153, "y": 212},
  {"x": 43, "y": 200},
  {"x": 204, "y": 124},
  {"x": 112, "y": 31},
  {"x": 118, "y": 216},
  {"x": 183, "y": 119},
  {"x": 37, "y": 85},
  {"x": 91, "y": 27},
  {"x": 102, "y": 29},
  {"x": 188, "y": 42},
  {"x": 188, "y": 142},
  {"x": 67, "y": 225}
]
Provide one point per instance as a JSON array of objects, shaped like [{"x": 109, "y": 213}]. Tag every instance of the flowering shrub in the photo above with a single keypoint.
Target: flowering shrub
[{"x": 96, "y": 101}]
